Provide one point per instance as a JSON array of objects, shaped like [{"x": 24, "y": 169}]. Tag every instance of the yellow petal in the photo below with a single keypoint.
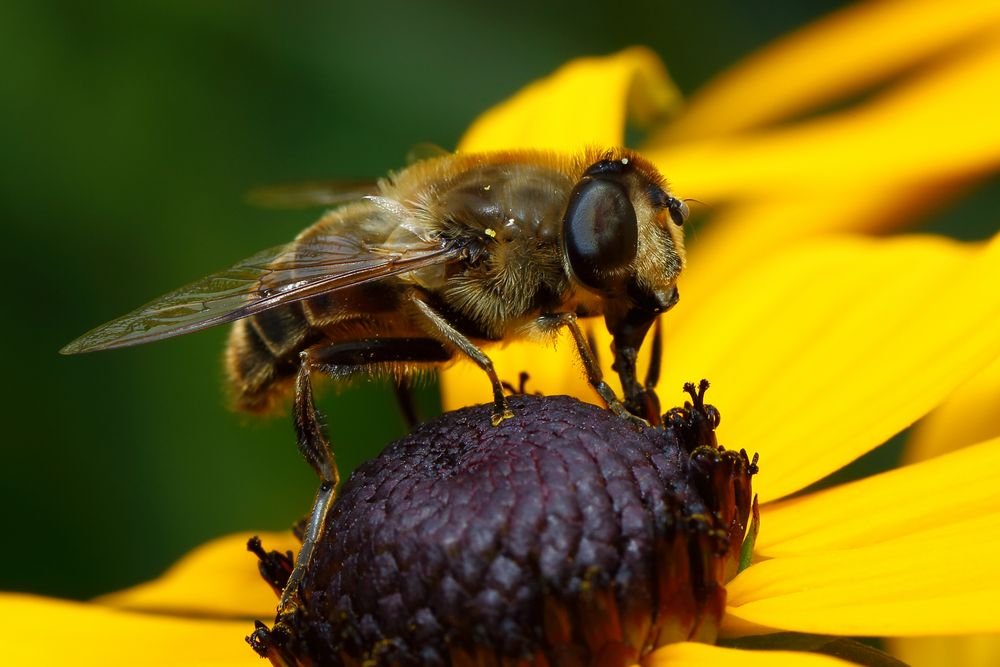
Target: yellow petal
[
  {"x": 699, "y": 655},
  {"x": 848, "y": 340},
  {"x": 584, "y": 103},
  {"x": 969, "y": 415},
  {"x": 218, "y": 579},
  {"x": 746, "y": 235},
  {"x": 42, "y": 631},
  {"x": 834, "y": 346},
  {"x": 552, "y": 370},
  {"x": 973, "y": 651},
  {"x": 938, "y": 127},
  {"x": 906, "y": 501},
  {"x": 844, "y": 53},
  {"x": 937, "y": 582},
  {"x": 561, "y": 112}
]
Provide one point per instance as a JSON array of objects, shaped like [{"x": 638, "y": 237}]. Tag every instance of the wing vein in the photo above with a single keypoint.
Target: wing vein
[{"x": 269, "y": 279}]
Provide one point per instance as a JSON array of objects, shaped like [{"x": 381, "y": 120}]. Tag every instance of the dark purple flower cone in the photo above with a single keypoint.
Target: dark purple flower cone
[{"x": 564, "y": 536}]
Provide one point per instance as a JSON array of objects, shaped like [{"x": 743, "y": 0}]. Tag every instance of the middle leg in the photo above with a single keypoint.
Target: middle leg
[{"x": 440, "y": 327}]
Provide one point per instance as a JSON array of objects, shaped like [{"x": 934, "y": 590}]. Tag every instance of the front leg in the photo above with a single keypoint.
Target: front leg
[
  {"x": 553, "y": 322},
  {"x": 640, "y": 399}
]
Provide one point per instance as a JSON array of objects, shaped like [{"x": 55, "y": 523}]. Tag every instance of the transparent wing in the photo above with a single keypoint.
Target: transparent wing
[
  {"x": 311, "y": 193},
  {"x": 425, "y": 151},
  {"x": 270, "y": 278}
]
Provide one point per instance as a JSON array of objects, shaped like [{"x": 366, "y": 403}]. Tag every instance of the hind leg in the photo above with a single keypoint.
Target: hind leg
[
  {"x": 339, "y": 360},
  {"x": 314, "y": 445}
]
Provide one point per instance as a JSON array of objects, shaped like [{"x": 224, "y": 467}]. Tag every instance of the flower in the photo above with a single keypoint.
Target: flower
[
  {"x": 821, "y": 343},
  {"x": 564, "y": 535}
]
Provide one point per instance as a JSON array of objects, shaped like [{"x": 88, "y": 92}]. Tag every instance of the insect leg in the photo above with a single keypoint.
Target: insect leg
[
  {"x": 646, "y": 402},
  {"x": 314, "y": 444},
  {"x": 366, "y": 355},
  {"x": 315, "y": 448},
  {"x": 440, "y": 327},
  {"x": 640, "y": 399},
  {"x": 339, "y": 360},
  {"x": 594, "y": 375},
  {"x": 407, "y": 406},
  {"x": 656, "y": 355}
]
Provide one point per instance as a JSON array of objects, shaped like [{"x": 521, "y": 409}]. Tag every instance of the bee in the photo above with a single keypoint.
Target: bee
[{"x": 436, "y": 262}]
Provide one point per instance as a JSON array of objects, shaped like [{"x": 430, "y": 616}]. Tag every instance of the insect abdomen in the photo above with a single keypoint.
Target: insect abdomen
[{"x": 262, "y": 356}]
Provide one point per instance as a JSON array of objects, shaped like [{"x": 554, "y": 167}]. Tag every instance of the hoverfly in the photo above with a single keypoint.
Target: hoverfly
[{"x": 440, "y": 259}]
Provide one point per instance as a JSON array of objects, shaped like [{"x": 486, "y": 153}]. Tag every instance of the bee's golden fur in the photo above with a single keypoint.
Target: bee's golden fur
[{"x": 512, "y": 204}]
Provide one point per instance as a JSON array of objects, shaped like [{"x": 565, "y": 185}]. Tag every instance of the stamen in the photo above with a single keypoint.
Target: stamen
[{"x": 274, "y": 567}]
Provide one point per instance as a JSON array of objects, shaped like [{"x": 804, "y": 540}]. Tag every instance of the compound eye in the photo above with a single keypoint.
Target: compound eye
[
  {"x": 600, "y": 232},
  {"x": 678, "y": 211}
]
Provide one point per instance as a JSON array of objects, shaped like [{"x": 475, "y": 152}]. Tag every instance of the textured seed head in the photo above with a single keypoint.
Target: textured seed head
[{"x": 561, "y": 537}]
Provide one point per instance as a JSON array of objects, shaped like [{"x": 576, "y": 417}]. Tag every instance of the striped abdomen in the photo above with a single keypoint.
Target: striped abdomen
[{"x": 262, "y": 356}]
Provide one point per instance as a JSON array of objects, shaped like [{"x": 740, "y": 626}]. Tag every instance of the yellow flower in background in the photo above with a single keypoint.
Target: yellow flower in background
[{"x": 821, "y": 344}]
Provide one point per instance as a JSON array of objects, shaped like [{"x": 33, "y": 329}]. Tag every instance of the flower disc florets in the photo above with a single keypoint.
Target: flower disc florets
[{"x": 565, "y": 536}]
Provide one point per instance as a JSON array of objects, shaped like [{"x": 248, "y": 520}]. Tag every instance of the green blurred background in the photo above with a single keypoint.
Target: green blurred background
[{"x": 130, "y": 134}]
